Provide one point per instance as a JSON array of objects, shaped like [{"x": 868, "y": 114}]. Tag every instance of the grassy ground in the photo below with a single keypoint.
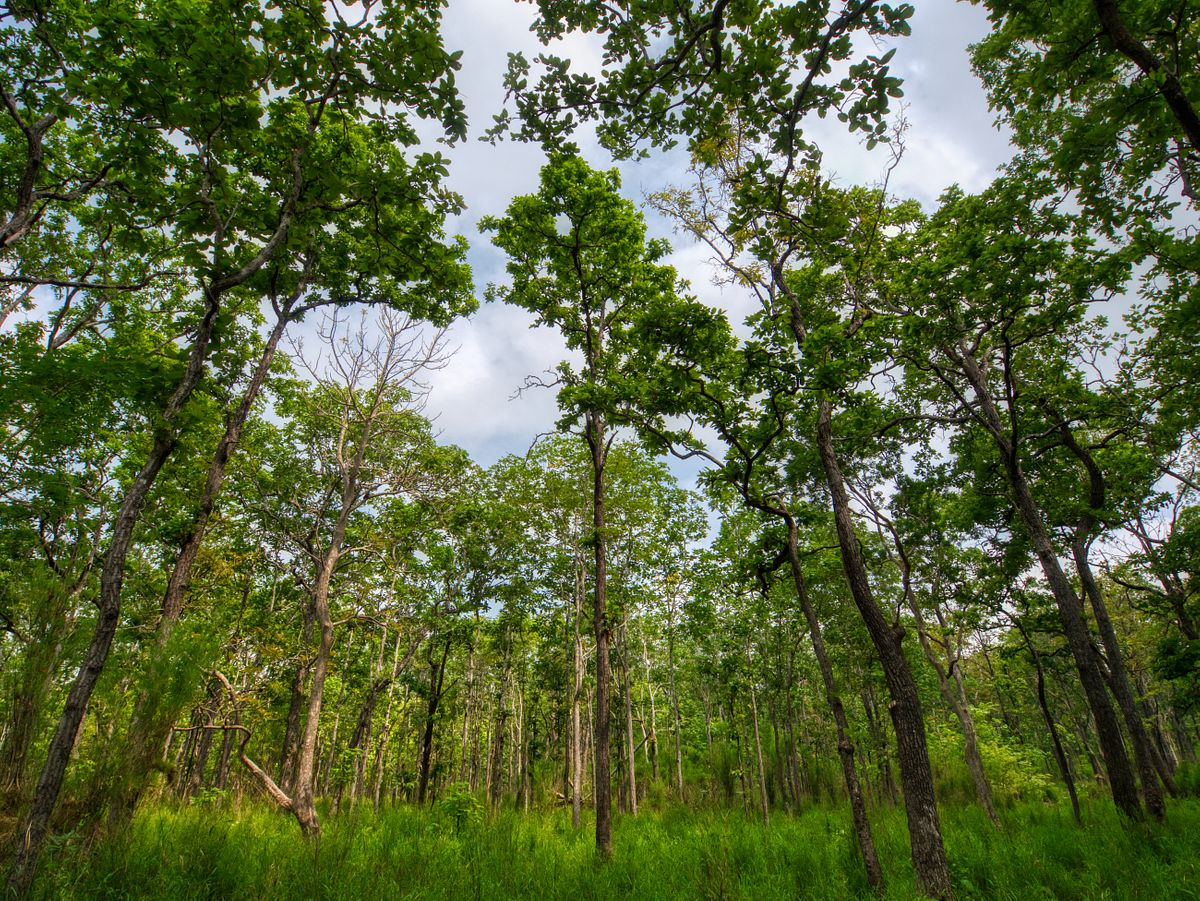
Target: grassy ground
[{"x": 253, "y": 853}]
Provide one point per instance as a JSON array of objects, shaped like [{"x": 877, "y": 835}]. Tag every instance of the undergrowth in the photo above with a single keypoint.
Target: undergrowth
[{"x": 250, "y": 852}]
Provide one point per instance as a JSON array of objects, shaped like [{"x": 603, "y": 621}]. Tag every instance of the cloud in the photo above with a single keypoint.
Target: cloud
[{"x": 951, "y": 139}]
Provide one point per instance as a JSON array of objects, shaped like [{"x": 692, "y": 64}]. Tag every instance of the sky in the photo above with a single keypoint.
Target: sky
[{"x": 951, "y": 139}]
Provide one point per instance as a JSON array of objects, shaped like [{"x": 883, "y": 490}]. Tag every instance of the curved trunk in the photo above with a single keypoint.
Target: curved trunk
[
  {"x": 916, "y": 775},
  {"x": 858, "y": 806},
  {"x": 36, "y": 823},
  {"x": 1070, "y": 609},
  {"x": 151, "y": 724}
]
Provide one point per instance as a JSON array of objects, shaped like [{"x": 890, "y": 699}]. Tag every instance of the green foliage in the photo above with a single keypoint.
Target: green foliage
[
  {"x": 407, "y": 853},
  {"x": 462, "y": 806},
  {"x": 1016, "y": 773}
]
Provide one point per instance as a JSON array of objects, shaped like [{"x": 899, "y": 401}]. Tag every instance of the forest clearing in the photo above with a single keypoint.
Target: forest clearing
[{"x": 627, "y": 449}]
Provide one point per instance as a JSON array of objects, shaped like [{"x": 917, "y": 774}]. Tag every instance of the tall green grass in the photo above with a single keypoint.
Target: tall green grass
[{"x": 249, "y": 852}]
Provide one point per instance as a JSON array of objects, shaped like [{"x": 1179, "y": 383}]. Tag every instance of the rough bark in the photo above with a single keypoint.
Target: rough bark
[
  {"x": 916, "y": 776},
  {"x": 858, "y": 807},
  {"x": 35, "y": 824},
  {"x": 1070, "y": 609}
]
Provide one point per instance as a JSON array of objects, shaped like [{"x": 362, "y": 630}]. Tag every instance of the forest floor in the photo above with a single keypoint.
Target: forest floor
[{"x": 229, "y": 852}]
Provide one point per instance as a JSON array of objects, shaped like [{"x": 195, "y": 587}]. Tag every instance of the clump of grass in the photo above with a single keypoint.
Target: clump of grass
[{"x": 250, "y": 852}]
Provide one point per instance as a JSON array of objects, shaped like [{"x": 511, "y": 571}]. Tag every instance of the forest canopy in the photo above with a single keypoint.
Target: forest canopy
[{"x": 900, "y": 560}]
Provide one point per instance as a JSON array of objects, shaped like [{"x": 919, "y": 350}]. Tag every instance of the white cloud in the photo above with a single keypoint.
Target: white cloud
[{"x": 951, "y": 139}]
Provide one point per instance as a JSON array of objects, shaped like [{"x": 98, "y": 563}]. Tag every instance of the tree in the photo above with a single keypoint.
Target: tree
[
  {"x": 1005, "y": 299},
  {"x": 280, "y": 173},
  {"x": 358, "y": 425},
  {"x": 579, "y": 260}
]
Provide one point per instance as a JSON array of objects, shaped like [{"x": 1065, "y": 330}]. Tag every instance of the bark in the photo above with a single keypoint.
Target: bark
[
  {"x": 1070, "y": 609},
  {"x": 858, "y": 807},
  {"x": 35, "y": 825},
  {"x": 916, "y": 776},
  {"x": 598, "y": 445}
]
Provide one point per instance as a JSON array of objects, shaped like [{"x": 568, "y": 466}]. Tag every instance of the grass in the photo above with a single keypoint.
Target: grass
[{"x": 249, "y": 852}]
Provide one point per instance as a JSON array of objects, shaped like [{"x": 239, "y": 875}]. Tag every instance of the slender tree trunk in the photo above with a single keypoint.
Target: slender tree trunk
[
  {"x": 598, "y": 444},
  {"x": 152, "y": 722},
  {"x": 1060, "y": 756},
  {"x": 651, "y": 738},
  {"x": 437, "y": 675},
  {"x": 676, "y": 719},
  {"x": 303, "y": 805},
  {"x": 762, "y": 770},
  {"x": 1150, "y": 766},
  {"x": 34, "y": 826},
  {"x": 1070, "y": 609},
  {"x": 630, "y": 744},
  {"x": 576, "y": 703},
  {"x": 858, "y": 807},
  {"x": 32, "y": 687},
  {"x": 1145, "y": 755},
  {"x": 920, "y": 802},
  {"x": 956, "y": 696},
  {"x": 292, "y": 724},
  {"x": 496, "y": 764}
]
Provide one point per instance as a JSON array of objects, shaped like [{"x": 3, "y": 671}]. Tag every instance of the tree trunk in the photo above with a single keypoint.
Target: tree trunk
[
  {"x": 576, "y": 704},
  {"x": 1060, "y": 756},
  {"x": 956, "y": 697},
  {"x": 32, "y": 687},
  {"x": 762, "y": 770},
  {"x": 34, "y": 826},
  {"x": 291, "y": 728},
  {"x": 858, "y": 807},
  {"x": 676, "y": 719},
  {"x": 630, "y": 743},
  {"x": 1070, "y": 609},
  {"x": 916, "y": 776},
  {"x": 437, "y": 675},
  {"x": 597, "y": 443}
]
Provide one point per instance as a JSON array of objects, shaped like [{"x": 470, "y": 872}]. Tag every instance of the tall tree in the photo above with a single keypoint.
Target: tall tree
[{"x": 579, "y": 261}]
